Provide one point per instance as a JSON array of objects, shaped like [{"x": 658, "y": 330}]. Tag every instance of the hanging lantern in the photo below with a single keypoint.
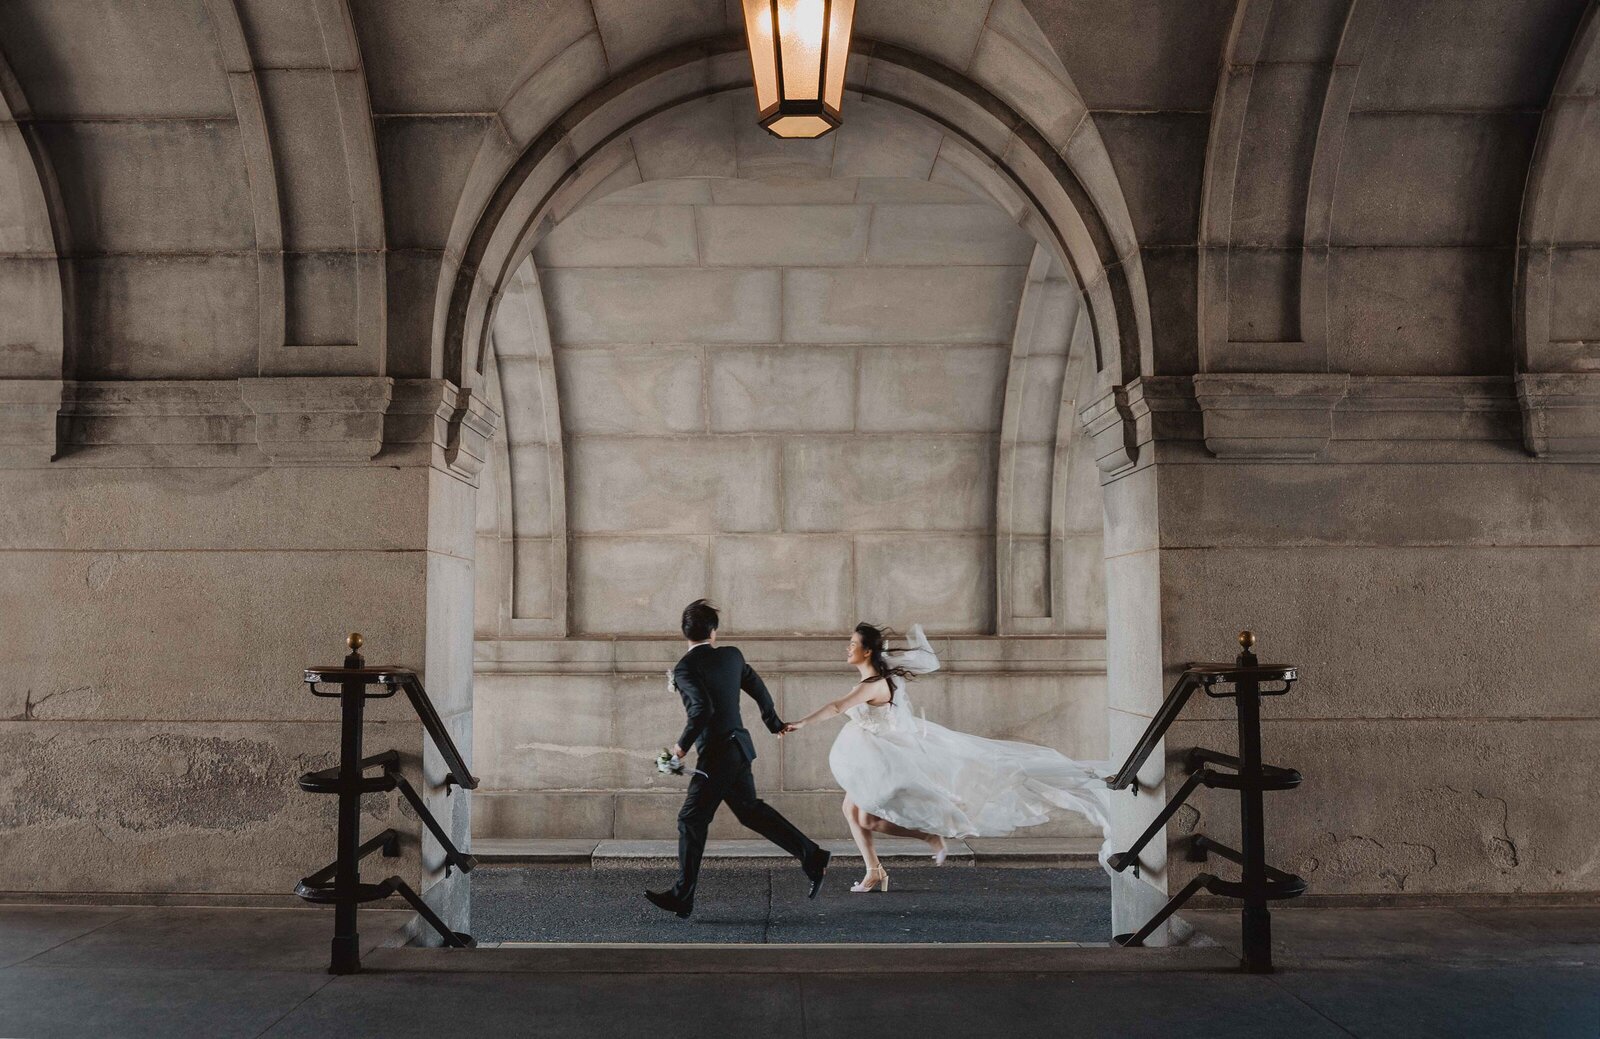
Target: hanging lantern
[{"x": 798, "y": 49}]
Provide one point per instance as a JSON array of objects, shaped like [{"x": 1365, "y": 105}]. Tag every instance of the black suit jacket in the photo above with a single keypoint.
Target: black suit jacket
[{"x": 709, "y": 679}]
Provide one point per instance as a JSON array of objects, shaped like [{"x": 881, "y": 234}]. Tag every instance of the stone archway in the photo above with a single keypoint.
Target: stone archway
[
  {"x": 1040, "y": 533},
  {"x": 1555, "y": 323},
  {"x": 670, "y": 434},
  {"x": 1057, "y": 184},
  {"x": 522, "y": 183}
]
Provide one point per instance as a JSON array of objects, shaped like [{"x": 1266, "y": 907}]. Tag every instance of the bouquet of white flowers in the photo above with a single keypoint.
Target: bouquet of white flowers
[{"x": 668, "y": 765}]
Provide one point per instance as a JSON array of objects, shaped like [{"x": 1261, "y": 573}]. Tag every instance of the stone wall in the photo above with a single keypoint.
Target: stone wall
[
  {"x": 816, "y": 400},
  {"x": 168, "y": 577},
  {"x": 1445, "y": 620},
  {"x": 1339, "y": 257},
  {"x": 1432, "y": 584},
  {"x": 567, "y": 730},
  {"x": 787, "y": 397}
]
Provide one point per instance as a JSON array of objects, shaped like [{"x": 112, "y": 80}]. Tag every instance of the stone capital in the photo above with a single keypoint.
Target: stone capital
[
  {"x": 471, "y": 430},
  {"x": 1269, "y": 417},
  {"x": 1561, "y": 414},
  {"x": 318, "y": 420},
  {"x": 1113, "y": 431},
  {"x": 451, "y": 425}
]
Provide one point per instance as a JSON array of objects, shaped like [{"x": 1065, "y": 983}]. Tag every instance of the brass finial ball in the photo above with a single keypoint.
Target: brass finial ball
[
  {"x": 355, "y": 641},
  {"x": 1247, "y": 639}
]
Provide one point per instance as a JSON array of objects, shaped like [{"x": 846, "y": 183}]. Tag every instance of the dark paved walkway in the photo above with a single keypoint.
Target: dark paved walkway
[
  {"x": 130, "y": 973},
  {"x": 761, "y": 904}
]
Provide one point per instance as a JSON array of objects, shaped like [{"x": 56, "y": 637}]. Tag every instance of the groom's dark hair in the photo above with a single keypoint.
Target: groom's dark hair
[{"x": 699, "y": 620}]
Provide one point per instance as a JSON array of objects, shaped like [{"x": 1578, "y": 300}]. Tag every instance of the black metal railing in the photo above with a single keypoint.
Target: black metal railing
[
  {"x": 1168, "y": 713},
  {"x": 1245, "y": 681},
  {"x": 339, "y": 883}
]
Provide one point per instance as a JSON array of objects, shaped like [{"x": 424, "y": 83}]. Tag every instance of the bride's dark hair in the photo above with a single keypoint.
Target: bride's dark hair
[{"x": 876, "y": 642}]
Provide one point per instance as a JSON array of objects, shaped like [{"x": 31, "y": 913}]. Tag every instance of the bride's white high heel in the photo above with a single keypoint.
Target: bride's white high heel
[
  {"x": 940, "y": 852},
  {"x": 875, "y": 880}
]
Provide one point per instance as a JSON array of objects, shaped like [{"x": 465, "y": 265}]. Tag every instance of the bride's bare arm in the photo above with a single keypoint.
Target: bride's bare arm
[{"x": 860, "y": 694}]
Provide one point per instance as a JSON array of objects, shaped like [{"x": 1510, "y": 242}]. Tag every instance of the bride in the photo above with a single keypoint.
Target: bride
[{"x": 905, "y": 776}]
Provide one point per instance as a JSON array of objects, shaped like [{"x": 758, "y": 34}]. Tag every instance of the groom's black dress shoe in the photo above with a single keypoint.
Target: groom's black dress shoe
[
  {"x": 672, "y": 904},
  {"x": 817, "y": 871}
]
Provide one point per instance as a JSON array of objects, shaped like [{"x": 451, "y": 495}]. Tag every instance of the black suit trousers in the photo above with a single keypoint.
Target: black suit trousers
[{"x": 728, "y": 781}]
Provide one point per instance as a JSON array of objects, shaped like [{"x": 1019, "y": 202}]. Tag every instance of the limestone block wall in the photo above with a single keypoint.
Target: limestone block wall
[
  {"x": 194, "y": 399},
  {"x": 155, "y": 722},
  {"x": 816, "y": 401},
  {"x": 1369, "y": 228},
  {"x": 166, "y": 580},
  {"x": 567, "y": 730},
  {"x": 786, "y": 395},
  {"x": 1433, "y": 584},
  {"x": 1445, "y": 617}
]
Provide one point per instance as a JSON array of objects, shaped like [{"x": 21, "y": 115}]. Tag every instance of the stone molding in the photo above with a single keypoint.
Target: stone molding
[
  {"x": 418, "y": 413},
  {"x": 1428, "y": 408},
  {"x": 1286, "y": 416},
  {"x": 1561, "y": 414},
  {"x": 451, "y": 426},
  {"x": 1164, "y": 409},
  {"x": 319, "y": 420},
  {"x": 156, "y": 422},
  {"x": 1053, "y": 654},
  {"x": 341, "y": 420},
  {"x": 1125, "y": 419},
  {"x": 1299, "y": 417},
  {"x": 471, "y": 431},
  {"x": 28, "y": 409},
  {"x": 298, "y": 420},
  {"x": 1112, "y": 429}
]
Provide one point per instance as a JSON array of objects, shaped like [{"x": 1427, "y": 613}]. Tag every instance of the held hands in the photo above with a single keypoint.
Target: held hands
[{"x": 790, "y": 727}]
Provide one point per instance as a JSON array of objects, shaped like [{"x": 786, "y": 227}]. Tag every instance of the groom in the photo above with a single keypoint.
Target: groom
[{"x": 709, "y": 678}]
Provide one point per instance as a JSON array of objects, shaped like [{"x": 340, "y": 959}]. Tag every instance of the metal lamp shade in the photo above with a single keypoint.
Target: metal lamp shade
[{"x": 798, "y": 49}]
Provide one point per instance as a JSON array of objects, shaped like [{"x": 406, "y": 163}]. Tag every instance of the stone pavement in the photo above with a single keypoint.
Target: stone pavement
[
  {"x": 766, "y": 904},
  {"x": 247, "y": 973}
]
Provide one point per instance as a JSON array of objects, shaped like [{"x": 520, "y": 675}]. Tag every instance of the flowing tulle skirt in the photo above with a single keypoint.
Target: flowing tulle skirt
[{"x": 926, "y": 777}]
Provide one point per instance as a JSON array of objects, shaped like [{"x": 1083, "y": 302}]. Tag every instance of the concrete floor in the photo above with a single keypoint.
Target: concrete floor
[
  {"x": 216, "y": 973},
  {"x": 1001, "y": 890},
  {"x": 769, "y": 905}
]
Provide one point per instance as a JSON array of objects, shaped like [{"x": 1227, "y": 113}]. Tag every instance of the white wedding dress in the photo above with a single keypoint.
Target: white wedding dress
[{"x": 926, "y": 777}]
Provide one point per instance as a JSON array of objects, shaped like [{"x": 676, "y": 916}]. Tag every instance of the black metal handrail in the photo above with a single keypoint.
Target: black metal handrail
[
  {"x": 1196, "y": 676},
  {"x": 1245, "y": 681},
  {"x": 339, "y": 883},
  {"x": 406, "y": 680},
  {"x": 1171, "y": 707}
]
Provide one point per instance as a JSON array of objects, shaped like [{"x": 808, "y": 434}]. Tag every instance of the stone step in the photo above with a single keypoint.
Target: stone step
[
  {"x": 727, "y": 958},
  {"x": 975, "y": 851}
]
